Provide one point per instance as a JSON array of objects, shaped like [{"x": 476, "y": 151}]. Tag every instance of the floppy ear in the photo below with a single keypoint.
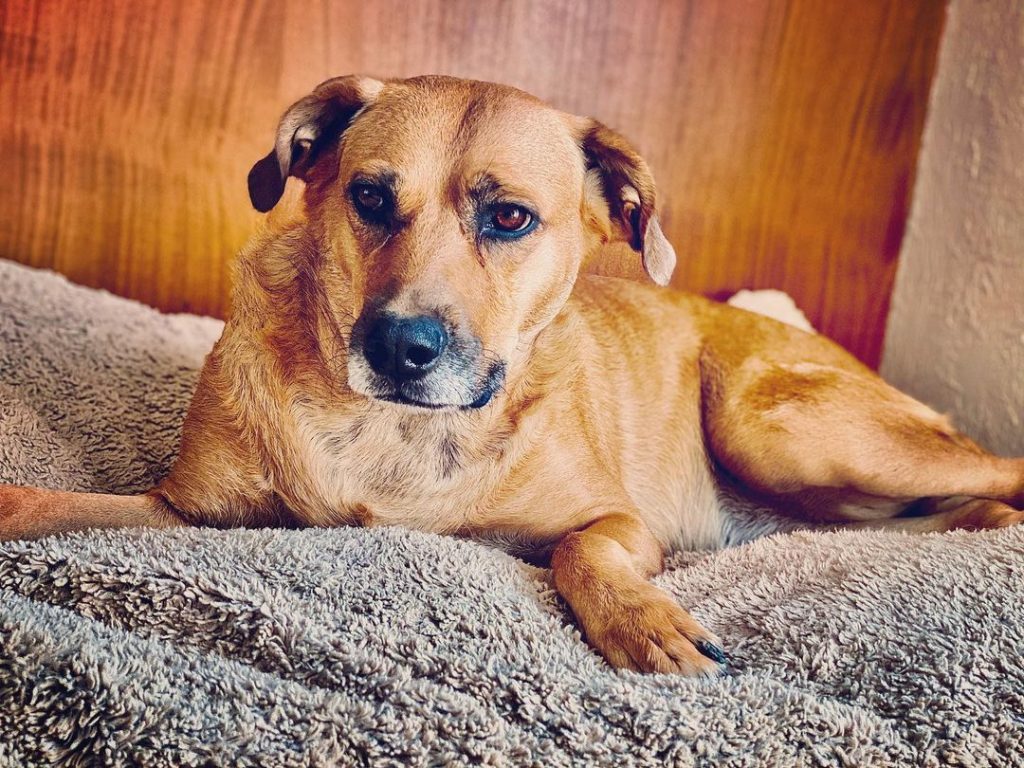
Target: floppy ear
[
  {"x": 629, "y": 190},
  {"x": 309, "y": 125}
]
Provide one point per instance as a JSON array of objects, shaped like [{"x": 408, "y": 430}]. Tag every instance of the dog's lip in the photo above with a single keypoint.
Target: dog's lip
[
  {"x": 485, "y": 396},
  {"x": 400, "y": 399}
]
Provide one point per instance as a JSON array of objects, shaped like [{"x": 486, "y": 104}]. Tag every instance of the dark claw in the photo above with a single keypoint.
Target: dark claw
[{"x": 712, "y": 651}]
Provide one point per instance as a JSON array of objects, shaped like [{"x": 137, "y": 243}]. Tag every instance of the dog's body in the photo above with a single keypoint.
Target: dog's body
[
  {"x": 418, "y": 349},
  {"x": 488, "y": 472}
]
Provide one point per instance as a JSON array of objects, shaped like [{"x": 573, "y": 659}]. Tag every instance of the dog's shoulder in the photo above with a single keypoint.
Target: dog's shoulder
[
  {"x": 606, "y": 291},
  {"x": 617, "y": 306}
]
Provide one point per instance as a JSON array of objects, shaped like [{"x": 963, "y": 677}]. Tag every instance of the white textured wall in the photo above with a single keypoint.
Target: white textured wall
[{"x": 956, "y": 332}]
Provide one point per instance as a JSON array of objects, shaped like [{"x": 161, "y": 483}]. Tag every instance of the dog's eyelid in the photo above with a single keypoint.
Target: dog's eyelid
[
  {"x": 367, "y": 181},
  {"x": 383, "y": 179}
]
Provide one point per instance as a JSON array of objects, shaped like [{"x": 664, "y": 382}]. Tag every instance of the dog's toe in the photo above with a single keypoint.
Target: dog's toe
[{"x": 712, "y": 651}]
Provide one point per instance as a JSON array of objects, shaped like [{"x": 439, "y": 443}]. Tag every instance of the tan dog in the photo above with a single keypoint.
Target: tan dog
[{"x": 420, "y": 349}]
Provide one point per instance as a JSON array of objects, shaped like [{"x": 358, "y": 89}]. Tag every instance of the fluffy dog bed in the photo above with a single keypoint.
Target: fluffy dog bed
[{"x": 349, "y": 646}]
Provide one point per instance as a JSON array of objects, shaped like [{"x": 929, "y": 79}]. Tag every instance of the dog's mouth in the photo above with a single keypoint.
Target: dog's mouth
[
  {"x": 403, "y": 400},
  {"x": 421, "y": 394}
]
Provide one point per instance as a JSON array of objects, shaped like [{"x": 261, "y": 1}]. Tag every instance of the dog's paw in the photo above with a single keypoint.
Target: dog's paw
[
  {"x": 648, "y": 632},
  {"x": 981, "y": 514}
]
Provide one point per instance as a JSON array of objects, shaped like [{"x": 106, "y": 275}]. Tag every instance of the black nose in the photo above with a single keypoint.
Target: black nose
[{"x": 404, "y": 348}]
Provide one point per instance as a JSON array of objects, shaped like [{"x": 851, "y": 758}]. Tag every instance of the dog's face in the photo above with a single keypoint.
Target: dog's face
[{"x": 460, "y": 213}]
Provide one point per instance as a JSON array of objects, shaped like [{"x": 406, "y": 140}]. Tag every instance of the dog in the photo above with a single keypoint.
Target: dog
[{"x": 422, "y": 346}]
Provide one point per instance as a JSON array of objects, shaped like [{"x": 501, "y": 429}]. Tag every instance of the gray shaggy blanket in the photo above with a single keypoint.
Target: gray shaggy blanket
[{"x": 390, "y": 647}]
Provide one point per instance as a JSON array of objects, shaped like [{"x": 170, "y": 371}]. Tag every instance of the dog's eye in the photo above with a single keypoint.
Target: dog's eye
[
  {"x": 371, "y": 201},
  {"x": 509, "y": 220}
]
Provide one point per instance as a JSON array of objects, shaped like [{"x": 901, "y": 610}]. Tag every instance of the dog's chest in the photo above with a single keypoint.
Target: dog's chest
[{"x": 369, "y": 468}]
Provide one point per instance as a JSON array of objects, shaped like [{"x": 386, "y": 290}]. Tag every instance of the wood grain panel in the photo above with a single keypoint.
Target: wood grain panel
[{"x": 783, "y": 132}]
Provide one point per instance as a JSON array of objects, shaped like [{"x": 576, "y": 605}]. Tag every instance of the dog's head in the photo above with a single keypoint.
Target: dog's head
[{"x": 460, "y": 213}]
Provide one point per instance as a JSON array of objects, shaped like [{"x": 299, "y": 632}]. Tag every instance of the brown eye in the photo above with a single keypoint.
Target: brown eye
[
  {"x": 372, "y": 202},
  {"x": 368, "y": 199},
  {"x": 511, "y": 218}
]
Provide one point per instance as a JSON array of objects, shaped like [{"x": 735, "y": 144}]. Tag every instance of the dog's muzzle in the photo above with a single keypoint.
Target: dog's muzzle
[{"x": 420, "y": 361}]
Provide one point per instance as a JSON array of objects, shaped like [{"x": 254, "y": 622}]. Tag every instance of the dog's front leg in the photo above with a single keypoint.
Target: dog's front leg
[{"x": 602, "y": 573}]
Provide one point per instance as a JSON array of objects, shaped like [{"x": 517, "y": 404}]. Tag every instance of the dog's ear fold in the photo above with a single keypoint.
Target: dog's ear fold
[
  {"x": 310, "y": 124},
  {"x": 628, "y": 188}
]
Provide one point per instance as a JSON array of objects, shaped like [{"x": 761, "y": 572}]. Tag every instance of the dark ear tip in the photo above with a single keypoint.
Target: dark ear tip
[{"x": 265, "y": 183}]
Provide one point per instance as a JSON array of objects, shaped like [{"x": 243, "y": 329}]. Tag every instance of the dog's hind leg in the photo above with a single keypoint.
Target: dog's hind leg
[
  {"x": 840, "y": 445},
  {"x": 29, "y": 513}
]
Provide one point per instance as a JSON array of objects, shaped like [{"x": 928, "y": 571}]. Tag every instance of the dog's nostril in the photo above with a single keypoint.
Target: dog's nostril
[
  {"x": 420, "y": 356},
  {"x": 421, "y": 340}
]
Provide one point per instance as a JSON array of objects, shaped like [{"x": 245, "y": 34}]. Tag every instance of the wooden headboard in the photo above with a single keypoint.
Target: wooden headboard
[{"x": 783, "y": 133}]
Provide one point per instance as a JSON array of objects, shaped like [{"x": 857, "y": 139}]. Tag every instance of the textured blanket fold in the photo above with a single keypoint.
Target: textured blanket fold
[{"x": 385, "y": 646}]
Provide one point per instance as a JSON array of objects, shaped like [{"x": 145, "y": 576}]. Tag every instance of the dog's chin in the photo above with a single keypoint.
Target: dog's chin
[{"x": 410, "y": 402}]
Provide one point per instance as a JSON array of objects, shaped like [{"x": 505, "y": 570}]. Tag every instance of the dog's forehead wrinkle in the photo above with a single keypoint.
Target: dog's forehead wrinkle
[{"x": 472, "y": 114}]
